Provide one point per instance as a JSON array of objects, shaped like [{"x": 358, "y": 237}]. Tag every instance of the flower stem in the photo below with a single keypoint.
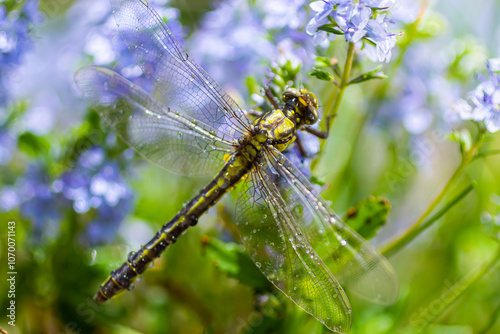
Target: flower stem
[
  {"x": 419, "y": 226},
  {"x": 487, "y": 153},
  {"x": 415, "y": 230},
  {"x": 491, "y": 322},
  {"x": 334, "y": 104},
  {"x": 376, "y": 99},
  {"x": 343, "y": 84},
  {"x": 452, "y": 294}
]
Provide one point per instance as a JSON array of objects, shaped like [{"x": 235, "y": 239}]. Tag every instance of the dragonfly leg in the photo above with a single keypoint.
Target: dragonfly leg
[
  {"x": 302, "y": 149},
  {"x": 318, "y": 133},
  {"x": 271, "y": 98}
]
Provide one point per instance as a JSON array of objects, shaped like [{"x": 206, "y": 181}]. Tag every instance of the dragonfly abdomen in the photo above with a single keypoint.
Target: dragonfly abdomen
[{"x": 123, "y": 278}]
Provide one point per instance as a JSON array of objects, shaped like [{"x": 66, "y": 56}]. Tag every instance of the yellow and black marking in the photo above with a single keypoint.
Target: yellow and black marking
[
  {"x": 276, "y": 128},
  {"x": 233, "y": 171}
]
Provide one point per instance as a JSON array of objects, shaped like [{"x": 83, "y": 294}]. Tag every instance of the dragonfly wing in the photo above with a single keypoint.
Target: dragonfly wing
[
  {"x": 356, "y": 264},
  {"x": 272, "y": 236},
  {"x": 171, "y": 140},
  {"x": 178, "y": 81}
]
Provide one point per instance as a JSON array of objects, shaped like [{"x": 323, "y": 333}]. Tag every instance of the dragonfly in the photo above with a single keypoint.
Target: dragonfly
[{"x": 189, "y": 125}]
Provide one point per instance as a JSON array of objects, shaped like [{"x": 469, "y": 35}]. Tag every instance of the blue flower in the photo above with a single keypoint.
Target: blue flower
[
  {"x": 37, "y": 202},
  {"x": 96, "y": 187},
  {"x": 7, "y": 146},
  {"x": 421, "y": 92},
  {"x": 483, "y": 103},
  {"x": 238, "y": 36},
  {"x": 283, "y": 14},
  {"x": 357, "y": 20},
  {"x": 385, "y": 41},
  {"x": 107, "y": 48},
  {"x": 9, "y": 199},
  {"x": 15, "y": 40},
  {"x": 406, "y": 11},
  {"x": 323, "y": 9},
  {"x": 231, "y": 43},
  {"x": 353, "y": 19}
]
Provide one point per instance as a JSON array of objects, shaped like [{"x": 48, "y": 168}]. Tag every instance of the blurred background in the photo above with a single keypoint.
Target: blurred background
[{"x": 82, "y": 200}]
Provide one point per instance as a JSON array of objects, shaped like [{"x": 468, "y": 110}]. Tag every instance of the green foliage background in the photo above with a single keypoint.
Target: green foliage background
[{"x": 204, "y": 284}]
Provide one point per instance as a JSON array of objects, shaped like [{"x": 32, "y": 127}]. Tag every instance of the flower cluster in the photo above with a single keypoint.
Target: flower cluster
[
  {"x": 37, "y": 202},
  {"x": 94, "y": 188},
  {"x": 7, "y": 146},
  {"x": 238, "y": 36},
  {"x": 355, "y": 20},
  {"x": 15, "y": 39},
  {"x": 483, "y": 103},
  {"x": 421, "y": 96},
  {"x": 104, "y": 43}
]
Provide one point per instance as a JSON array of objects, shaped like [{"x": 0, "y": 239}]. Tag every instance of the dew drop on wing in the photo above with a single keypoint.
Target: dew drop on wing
[
  {"x": 131, "y": 255},
  {"x": 258, "y": 264}
]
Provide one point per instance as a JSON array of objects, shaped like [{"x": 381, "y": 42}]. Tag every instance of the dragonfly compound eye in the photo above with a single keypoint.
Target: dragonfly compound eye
[
  {"x": 311, "y": 111},
  {"x": 290, "y": 94},
  {"x": 313, "y": 100},
  {"x": 311, "y": 115}
]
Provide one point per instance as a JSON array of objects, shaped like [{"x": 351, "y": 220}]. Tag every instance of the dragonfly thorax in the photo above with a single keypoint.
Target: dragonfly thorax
[{"x": 280, "y": 125}]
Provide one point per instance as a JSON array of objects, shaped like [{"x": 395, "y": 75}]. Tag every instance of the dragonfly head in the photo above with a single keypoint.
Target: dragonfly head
[{"x": 303, "y": 102}]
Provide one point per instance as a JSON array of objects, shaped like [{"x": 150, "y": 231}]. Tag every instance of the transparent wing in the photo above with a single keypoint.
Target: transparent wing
[
  {"x": 169, "y": 139},
  {"x": 272, "y": 236},
  {"x": 304, "y": 249},
  {"x": 178, "y": 81},
  {"x": 356, "y": 264}
]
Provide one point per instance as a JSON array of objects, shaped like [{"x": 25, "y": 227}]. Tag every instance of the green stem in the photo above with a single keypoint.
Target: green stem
[
  {"x": 491, "y": 322},
  {"x": 417, "y": 227},
  {"x": 415, "y": 230},
  {"x": 344, "y": 82},
  {"x": 381, "y": 91},
  {"x": 333, "y": 110},
  {"x": 486, "y": 153},
  {"x": 452, "y": 294}
]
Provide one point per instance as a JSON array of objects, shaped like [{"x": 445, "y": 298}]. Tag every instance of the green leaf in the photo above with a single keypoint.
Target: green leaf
[
  {"x": 33, "y": 145},
  {"x": 290, "y": 69},
  {"x": 323, "y": 62},
  {"x": 232, "y": 260},
  {"x": 367, "y": 216},
  {"x": 491, "y": 225},
  {"x": 252, "y": 85},
  {"x": 463, "y": 138},
  {"x": 331, "y": 29},
  {"x": 322, "y": 75},
  {"x": 315, "y": 180},
  {"x": 373, "y": 74}
]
